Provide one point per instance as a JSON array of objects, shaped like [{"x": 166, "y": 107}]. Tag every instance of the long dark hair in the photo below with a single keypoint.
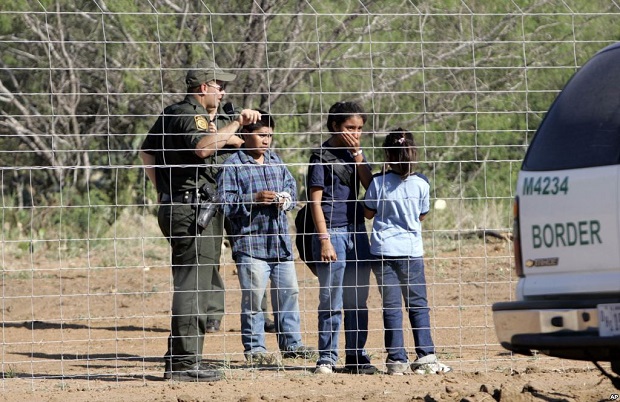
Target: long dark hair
[
  {"x": 401, "y": 152},
  {"x": 341, "y": 111}
]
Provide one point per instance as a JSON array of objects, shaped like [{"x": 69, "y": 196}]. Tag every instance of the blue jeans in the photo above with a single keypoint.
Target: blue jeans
[
  {"x": 344, "y": 286},
  {"x": 398, "y": 278},
  {"x": 254, "y": 274}
]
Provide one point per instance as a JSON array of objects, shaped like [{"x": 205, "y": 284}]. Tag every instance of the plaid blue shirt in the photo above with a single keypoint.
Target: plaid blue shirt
[{"x": 260, "y": 231}]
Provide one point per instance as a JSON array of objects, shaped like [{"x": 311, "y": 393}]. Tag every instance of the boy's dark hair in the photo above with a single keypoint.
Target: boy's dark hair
[
  {"x": 265, "y": 121},
  {"x": 341, "y": 111},
  {"x": 400, "y": 150}
]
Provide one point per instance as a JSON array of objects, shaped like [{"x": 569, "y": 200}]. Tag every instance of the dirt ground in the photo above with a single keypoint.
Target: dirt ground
[{"x": 89, "y": 322}]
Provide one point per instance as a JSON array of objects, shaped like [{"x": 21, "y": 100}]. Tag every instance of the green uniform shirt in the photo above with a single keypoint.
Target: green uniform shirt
[{"x": 172, "y": 140}]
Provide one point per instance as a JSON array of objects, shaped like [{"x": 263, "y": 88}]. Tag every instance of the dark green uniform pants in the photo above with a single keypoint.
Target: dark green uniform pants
[{"x": 198, "y": 287}]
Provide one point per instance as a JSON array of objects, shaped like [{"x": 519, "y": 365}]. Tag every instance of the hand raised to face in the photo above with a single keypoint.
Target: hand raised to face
[{"x": 248, "y": 116}]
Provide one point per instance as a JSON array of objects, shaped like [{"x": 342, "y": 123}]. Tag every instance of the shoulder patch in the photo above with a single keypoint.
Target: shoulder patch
[{"x": 201, "y": 122}]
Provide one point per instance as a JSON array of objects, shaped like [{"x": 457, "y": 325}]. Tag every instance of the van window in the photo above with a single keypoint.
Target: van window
[{"x": 582, "y": 127}]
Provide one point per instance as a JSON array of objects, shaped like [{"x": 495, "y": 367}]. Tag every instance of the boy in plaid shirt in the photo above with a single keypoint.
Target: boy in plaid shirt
[{"x": 258, "y": 189}]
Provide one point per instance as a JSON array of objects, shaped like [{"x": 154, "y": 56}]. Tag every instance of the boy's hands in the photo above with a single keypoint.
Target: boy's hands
[{"x": 265, "y": 197}]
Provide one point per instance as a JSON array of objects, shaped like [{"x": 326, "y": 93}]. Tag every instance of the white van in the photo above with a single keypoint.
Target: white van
[{"x": 567, "y": 225}]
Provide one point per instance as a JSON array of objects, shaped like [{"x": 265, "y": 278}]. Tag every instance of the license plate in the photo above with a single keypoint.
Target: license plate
[{"x": 609, "y": 319}]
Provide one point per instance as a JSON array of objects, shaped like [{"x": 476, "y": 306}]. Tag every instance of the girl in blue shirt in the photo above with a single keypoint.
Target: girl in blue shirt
[{"x": 398, "y": 200}]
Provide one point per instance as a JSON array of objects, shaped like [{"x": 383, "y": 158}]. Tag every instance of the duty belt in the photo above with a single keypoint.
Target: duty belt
[{"x": 187, "y": 197}]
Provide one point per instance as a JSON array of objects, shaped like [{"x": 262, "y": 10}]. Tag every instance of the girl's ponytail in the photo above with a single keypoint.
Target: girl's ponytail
[{"x": 401, "y": 152}]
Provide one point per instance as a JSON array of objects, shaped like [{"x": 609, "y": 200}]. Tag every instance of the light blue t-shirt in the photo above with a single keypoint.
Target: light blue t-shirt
[{"x": 398, "y": 204}]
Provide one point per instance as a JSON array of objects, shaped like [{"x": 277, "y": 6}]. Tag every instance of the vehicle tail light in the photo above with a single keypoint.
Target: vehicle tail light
[{"x": 516, "y": 239}]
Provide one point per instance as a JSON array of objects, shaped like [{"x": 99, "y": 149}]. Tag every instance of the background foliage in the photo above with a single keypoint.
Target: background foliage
[{"x": 82, "y": 81}]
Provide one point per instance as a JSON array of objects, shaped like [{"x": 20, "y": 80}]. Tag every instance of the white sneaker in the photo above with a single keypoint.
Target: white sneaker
[
  {"x": 323, "y": 369},
  {"x": 429, "y": 365},
  {"x": 395, "y": 367}
]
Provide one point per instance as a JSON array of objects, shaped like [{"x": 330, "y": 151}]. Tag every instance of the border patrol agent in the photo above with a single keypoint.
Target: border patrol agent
[{"x": 181, "y": 153}]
